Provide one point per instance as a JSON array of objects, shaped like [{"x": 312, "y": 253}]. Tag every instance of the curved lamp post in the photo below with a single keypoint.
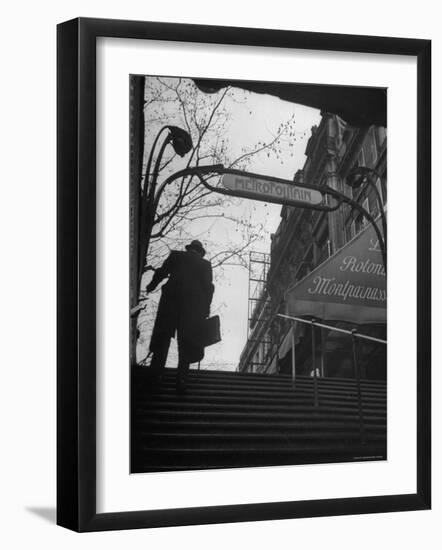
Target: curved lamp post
[{"x": 181, "y": 142}]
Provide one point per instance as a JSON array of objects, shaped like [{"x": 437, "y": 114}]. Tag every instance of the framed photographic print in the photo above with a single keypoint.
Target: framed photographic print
[{"x": 230, "y": 347}]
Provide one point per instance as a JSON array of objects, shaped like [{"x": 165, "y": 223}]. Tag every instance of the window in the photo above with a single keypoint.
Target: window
[
  {"x": 352, "y": 229},
  {"x": 379, "y": 188},
  {"x": 354, "y": 193},
  {"x": 323, "y": 247},
  {"x": 366, "y": 206},
  {"x": 360, "y": 222},
  {"x": 306, "y": 265},
  {"x": 370, "y": 149},
  {"x": 381, "y": 136},
  {"x": 348, "y": 232},
  {"x": 382, "y": 191}
]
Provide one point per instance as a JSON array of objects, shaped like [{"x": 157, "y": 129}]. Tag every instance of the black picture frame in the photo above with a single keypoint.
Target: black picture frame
[{"x": 76, "y": 274}]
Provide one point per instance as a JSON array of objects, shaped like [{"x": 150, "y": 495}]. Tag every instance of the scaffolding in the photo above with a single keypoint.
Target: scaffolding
[{"x": 258, "y": 309}]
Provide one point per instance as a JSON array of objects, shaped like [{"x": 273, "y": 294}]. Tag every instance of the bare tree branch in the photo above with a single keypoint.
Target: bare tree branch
[{"x": 185, "y": 202}]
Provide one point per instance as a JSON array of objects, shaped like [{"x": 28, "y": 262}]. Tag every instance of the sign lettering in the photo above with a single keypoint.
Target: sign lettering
[
  {"x": 272, "y": 191},
  {"x": 349, "y": 286}
]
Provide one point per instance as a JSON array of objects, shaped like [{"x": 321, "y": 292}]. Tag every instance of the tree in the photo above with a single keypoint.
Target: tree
[
  {"x": 186, "y": 210},
  {"x": 206, "y": 118}
]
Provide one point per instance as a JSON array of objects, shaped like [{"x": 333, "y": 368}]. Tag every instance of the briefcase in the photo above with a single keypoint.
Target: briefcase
[{"x": 211, "y": 331}]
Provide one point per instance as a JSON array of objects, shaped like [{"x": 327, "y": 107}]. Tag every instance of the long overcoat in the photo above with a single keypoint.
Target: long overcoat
[{"x": 184, "y": 303}]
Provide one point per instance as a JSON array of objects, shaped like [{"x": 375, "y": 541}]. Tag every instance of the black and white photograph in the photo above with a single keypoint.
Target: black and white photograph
[
  {"x": 195, "y": 256},
  {"x": 258, "y": 265}
]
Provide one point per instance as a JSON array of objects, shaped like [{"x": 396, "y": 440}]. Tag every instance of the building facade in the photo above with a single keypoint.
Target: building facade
[{"x": 303, "y": 241}]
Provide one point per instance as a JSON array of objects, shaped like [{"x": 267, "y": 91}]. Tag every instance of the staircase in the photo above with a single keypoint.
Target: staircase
[{"x": 230, "y": 419}]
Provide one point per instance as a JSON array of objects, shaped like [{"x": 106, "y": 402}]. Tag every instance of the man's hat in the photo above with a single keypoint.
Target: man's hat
[{"x": 196, "y": 245}]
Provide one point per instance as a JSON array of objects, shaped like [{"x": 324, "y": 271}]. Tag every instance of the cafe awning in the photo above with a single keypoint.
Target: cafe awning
[{"x": 349, "y": 286}]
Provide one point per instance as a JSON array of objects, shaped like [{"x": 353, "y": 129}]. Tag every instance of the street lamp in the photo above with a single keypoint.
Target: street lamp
[
  {"x": 181, "y": 142},
  {"x": 364, "y": 176}
]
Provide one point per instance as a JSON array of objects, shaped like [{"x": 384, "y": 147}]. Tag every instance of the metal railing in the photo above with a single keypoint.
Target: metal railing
[{"x": 356, "y": 366}]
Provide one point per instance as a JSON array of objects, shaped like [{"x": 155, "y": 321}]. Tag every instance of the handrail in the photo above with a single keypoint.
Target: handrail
[
  {"x": 344, "y": 331},
  {"x": 356, "y": 365}
]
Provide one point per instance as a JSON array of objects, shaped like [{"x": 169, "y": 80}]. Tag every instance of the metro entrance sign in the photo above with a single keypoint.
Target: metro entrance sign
[
  {"x": 271, "y": 190},
  {"x": 266, "y": 188}
]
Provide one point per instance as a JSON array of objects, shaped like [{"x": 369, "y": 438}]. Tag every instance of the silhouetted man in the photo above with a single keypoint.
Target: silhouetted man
[{"x": 184, "y": 305}]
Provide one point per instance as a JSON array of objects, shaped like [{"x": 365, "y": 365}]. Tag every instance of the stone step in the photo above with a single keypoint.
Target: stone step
[
  {"x": 264, "y": 417},
  {"x": 156, "y": 459},
  {"x": 229, "y": 419},
  {"x": 203, "y": 404},
  {"x": 245, "y": 427},
  {"x": 196, "y": 394},
  {"x": 250, "y": 441},
  {"x": 225, "y": 377},
  {"x": 207, "y": 374}
]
